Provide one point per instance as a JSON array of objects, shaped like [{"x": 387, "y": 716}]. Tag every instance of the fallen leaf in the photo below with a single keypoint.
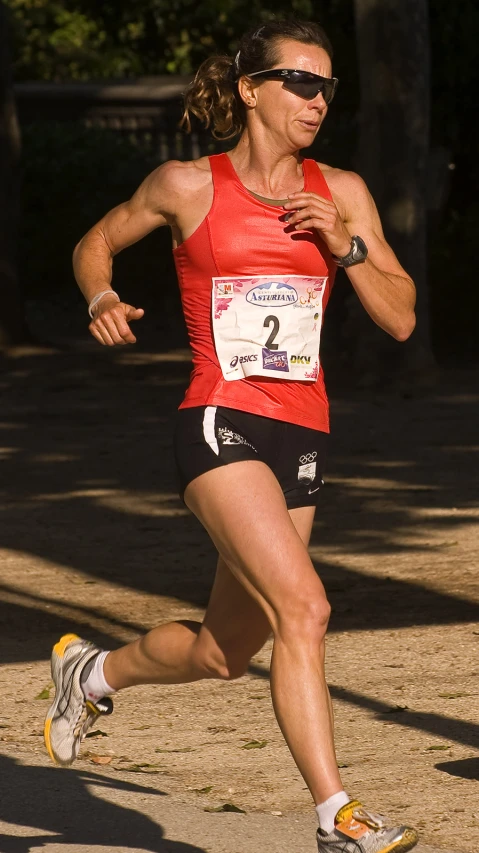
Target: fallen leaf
[
  {"x": 101, "y": 759},
  {"x": 217, "y": 729},
  {"x": 342, "y": 764},
  {"x": 277, "y": 814},
  {"x": 44, "y": 694},
  {"x": 396, "y": 709},
  {"x": 203, "y": 790},
  {"x": 140, "y": 768},
  {"x": 226, "y": 807},
  {"x": 254, "y": 744},
  {"x": 452, "y": 695},
  {"x": 140, "y": 728},
  {"x": 185, "y": 749},
  {"x": 437, "y": 747},
  {"x": 97, "y": 733}
]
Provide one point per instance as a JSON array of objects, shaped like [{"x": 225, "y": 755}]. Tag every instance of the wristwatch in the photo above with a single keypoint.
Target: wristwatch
[{"x": 356, "y": 255}]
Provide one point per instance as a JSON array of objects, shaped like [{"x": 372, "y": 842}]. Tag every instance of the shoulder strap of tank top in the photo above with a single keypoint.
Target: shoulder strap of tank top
[
  {"x": 222, "y": 168},
  {"x": 314, "y": 180}
]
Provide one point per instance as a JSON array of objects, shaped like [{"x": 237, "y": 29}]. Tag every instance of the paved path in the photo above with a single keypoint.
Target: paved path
[{"x": 109, "y": 815}]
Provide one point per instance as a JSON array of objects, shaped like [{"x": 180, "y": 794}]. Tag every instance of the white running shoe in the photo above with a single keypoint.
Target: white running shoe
[
  {"x": 71, "y": 715},
  {"x": 358, "y": 830}
]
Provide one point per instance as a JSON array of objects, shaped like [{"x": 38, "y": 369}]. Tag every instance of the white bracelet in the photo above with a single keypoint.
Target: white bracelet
[{"x": 97, "y": 298}]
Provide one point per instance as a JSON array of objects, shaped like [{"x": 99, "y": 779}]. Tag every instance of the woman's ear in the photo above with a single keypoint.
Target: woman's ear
[{"x": 247, "y": 91}]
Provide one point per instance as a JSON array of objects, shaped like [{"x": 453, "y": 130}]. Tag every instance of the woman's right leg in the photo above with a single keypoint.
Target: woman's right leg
[{"x": 233, "y": 630}]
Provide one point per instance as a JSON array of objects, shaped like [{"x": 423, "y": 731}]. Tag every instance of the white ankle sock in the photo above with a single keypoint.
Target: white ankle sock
[
  {"x": 328, "y": 810},
  {"x": 92, "y": 680}
]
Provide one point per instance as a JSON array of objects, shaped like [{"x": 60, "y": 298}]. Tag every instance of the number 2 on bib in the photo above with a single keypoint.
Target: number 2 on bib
[{"x": 267, "y": 323}]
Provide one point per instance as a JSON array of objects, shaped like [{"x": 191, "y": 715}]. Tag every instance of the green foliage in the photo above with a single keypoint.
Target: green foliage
[{"x": 54, "y": 41}]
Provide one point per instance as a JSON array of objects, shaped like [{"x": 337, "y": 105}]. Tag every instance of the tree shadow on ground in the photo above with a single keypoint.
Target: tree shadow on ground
[
  {"x": 466, "y": 768},
  {"x": 459, "y": 731},
  {"x": 88, "y": 482},
  {"x": 61, "y": 801}
]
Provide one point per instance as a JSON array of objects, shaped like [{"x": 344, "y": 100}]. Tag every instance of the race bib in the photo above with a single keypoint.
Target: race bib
[{"x": 268, "y": 325}]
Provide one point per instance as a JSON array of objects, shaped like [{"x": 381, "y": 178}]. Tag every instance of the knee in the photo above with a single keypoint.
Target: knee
[{"x": 304, "y": 620}]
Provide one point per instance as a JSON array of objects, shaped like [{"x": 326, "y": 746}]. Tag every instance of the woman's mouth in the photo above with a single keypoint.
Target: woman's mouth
[{"x": 311, "y": 125}]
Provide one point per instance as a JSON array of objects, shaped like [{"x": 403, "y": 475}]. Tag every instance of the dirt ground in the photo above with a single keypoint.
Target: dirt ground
[{"x": 94, "y": 540}]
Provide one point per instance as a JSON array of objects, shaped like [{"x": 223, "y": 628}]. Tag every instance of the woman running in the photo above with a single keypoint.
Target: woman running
[{"x": 257, "y": 236}]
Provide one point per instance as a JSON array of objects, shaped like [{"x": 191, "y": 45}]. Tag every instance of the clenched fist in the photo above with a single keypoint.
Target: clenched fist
[{"x": 110, "y": 322}]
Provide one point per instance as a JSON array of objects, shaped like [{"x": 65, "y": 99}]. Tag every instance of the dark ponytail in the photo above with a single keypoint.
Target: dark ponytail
[
  {"x": 213, "y": 95},
  {"x": 213, "y": 98}
]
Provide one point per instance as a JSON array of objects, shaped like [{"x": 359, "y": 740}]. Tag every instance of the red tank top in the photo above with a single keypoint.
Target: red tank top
[{"x": 242, "y": 236}]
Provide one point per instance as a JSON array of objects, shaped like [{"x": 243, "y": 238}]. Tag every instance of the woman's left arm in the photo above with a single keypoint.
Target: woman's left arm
[{"x": 384, "y": 288}]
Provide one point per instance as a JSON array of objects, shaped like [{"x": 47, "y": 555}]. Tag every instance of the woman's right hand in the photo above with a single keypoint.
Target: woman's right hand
[{"x": 110, "y": 322}]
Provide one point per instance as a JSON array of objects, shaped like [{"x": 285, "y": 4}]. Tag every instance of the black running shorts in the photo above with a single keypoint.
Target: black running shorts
[{"x": 208, "y": 437}]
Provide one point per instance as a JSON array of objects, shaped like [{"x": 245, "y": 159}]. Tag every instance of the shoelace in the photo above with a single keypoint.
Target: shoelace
[
  {"x": 87, "y": 723},
  {"x": 371, "y": 819},
  {"x": 93, "y": 710}
]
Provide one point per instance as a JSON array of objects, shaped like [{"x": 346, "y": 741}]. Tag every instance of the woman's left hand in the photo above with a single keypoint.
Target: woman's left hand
[{"x": 313, "y": 211}]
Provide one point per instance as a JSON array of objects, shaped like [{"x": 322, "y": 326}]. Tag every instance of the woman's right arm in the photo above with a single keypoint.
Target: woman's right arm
[{"x": 153, "y": 205}]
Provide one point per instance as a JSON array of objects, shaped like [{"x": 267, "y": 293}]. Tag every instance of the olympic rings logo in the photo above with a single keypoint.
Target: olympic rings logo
[{"x": 308, "y": 457}]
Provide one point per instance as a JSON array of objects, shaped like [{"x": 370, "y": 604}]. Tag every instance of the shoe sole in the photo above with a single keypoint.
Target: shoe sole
[{"x": 59, "y": 650}]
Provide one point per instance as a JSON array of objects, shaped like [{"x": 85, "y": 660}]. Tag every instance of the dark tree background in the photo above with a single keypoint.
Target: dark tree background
[
  {"x": 394, "y": 144},
  {"x": 403, "y": 117},
  {"x": 12, "y": 323}
]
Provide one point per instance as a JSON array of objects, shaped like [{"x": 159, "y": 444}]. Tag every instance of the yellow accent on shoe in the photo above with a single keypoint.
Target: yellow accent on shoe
[
  {"x": 407, "y": 842},
  {"x": 63, "y": 642},
  {"x": 46, "y": 737},
  {"x": 59, "y": 649},
  {"x": 346, "y": 811}
]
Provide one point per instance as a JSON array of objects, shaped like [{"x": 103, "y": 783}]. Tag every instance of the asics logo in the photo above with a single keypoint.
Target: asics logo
[{"x": 308, "y": 457}]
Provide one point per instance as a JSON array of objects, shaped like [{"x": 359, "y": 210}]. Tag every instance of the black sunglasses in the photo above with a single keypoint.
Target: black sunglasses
[{"x": 305, "y": 84}]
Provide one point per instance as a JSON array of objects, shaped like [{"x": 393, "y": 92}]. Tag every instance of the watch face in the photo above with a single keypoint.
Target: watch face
[
  {"x": 356, "y": 255},
  {"x": 360, "y": 250}
]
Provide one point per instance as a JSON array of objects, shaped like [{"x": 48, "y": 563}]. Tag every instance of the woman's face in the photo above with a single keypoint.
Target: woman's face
[{"x": 292, "y": 121}]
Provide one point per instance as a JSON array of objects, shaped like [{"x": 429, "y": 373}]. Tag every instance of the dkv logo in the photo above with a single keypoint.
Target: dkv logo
[{"x": 272, "y": 293}]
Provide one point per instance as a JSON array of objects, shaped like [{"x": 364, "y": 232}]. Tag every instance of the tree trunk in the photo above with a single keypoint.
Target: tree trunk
[
  {"x": 13, "y": 328},
  {"x": 393, "y": 53}
]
